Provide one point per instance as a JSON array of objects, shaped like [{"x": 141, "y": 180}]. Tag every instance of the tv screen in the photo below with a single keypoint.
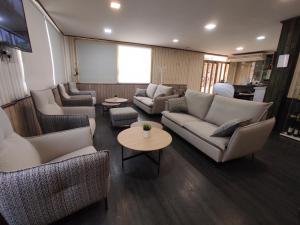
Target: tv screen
[{"x": 13, "y": 27}]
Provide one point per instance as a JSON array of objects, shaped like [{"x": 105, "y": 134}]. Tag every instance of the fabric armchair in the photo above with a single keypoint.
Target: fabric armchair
[
  {"x": 76, "y": 100},
  {"x": 46, "y": 178},
  {"x": 74, "y": 90},
  {"x": 53, "y": 118}
]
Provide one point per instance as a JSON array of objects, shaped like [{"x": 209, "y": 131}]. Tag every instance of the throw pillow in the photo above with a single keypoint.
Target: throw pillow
[
  {"x": 161, "y": 89},
  {"x": 177, "y": 105},
  {"x": 150, "y": 91},
  {"x": 227, "y": 129},
  {"x": 140, "y": 92}
]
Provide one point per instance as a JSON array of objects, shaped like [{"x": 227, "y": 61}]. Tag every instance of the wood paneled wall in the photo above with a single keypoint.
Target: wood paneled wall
[
  {"x": 171, "y": 66},
  {"x": 23, "y": 117}
]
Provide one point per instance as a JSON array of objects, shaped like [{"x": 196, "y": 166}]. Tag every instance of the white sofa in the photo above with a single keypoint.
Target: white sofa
[
  {"x": 152, "y": 100},
  {"x": 206, "y": 112}
]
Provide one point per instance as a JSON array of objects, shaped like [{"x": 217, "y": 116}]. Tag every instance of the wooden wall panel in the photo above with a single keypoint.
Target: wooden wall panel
[{"x": 23, "y": 117}]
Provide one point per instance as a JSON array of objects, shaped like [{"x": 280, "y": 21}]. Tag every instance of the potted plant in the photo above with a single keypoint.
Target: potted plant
[
  {"x": 146, "y": 129},
  {"x": 116, "y": 96}
]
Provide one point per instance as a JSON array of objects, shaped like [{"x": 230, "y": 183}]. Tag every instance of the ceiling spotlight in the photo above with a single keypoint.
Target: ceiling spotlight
[
  {"x": 210, "y": 26},
  {"x": 240, "y": 48},
  {"x": 115, "y": 5},
  {"x": 175, "y": 40},
  {"x": 107, "y": 30},
  {"x": 259, "y": 38}
]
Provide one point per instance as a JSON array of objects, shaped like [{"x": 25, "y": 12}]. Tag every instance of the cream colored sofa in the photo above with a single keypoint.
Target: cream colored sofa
[
  {"x": 207, "y": 112},
  {"x": 153, "y": 99}
]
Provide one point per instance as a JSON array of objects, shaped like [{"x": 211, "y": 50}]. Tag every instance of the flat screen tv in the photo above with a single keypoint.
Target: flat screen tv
[{"x": 13, "y": 26}]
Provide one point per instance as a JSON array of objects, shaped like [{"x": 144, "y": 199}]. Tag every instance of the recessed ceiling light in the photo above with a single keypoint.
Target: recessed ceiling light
[
  {"x": 240, "y": 48},
  {"x": 115, "y": 5},
  {"x": 175, "y": 40},
  {"x": 210, "y": 26},
  {"x": 261, "y": 38},
  {"x": 107, "y": 30}
]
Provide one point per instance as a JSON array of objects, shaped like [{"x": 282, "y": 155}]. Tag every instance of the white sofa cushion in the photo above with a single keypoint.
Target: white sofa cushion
[
  {"x": 179, "y": 118},
  {"x": 80, "y": 152},
  {"x": 150, "y": 91},
  {"x": 224, "y": 109},
  {"x": 162, "y": 90},
  {"x": 204, "y": 131},
  {"x": 198, "y": 103},
  {"x": 147, "y": 101},
  {"x": 45, "y": 102}
]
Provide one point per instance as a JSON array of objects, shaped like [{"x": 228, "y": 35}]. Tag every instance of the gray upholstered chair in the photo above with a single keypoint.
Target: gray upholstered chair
[
  {"x": 223, "y": 89},
  {"x": 53, "y": 118},
  {"x": 45, "y": 178},
  {"x": 75, "y": 100},
  {"x": 74, "y": 90}
]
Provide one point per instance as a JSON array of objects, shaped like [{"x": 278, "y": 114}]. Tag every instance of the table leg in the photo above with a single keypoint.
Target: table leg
[
  {"x": 122, "y": 157},
  {"x": 159, "y": 152}
]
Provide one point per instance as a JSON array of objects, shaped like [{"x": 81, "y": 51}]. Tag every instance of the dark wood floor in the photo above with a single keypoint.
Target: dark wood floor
[{"x": 193, "y": 189}]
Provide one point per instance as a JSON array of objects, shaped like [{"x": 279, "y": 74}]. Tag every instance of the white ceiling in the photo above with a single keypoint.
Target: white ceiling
[{"x": 157, "y": 22}]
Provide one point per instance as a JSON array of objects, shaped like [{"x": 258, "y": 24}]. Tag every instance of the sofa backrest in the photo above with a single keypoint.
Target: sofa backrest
[
  {"x": 150, "y": 91},
  {"x": 45, "y": 103},
  {"x": 163, "y": 90},
  {"x": 224, "y": 109},
  {"x": 198, "y": 103},
  {"x": 15, "y": 152},
  {"x": 63, "y": 92}
]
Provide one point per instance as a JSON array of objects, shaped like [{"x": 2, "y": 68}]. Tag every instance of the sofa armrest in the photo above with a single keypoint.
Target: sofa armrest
[
  {"x": 78, "y": 100},
  {"x": 248, "y": 139},
  {"x": 54, "y": 123},
  {"x": 81, "y": 110},
  {"x": 28, "y": 195},
  {"x": 159, "y": 103},
  {"x": 53, "y": 145}
]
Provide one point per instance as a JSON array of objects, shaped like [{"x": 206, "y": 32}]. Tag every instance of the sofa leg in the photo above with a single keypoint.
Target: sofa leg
[{"x": 106, "y": 203}]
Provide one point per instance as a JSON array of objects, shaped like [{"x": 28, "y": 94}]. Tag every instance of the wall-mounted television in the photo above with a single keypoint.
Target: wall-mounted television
[{"x": 13, "y": 26}]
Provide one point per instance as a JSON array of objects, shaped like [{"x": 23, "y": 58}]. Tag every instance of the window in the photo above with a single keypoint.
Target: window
[{"x": 134, "y": 64}]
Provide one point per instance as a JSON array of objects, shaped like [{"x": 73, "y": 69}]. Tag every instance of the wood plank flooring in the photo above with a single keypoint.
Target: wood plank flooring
[{"x": 192, "y": 189}]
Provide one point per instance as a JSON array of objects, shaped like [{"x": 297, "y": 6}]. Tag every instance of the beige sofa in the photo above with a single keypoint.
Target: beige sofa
[
  {"x": 152, "y": 100},
  {"x": 205, "y": 113}
]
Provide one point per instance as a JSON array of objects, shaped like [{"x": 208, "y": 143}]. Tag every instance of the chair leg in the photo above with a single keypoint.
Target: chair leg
[{"x": 106, "y": 203}]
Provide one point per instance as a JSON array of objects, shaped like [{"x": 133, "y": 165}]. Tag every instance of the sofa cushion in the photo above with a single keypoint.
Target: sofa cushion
[
  {"x": 204, "y": 131},
  {"x": 92, "y": 123},
  {"x": 150, "y": 91},
  {"x": 140, "y": 92},
  {"x": 177, "y": 105},
  {"x": 162, "y": 90},
  {"x": 17, "y": 153},
  {"x": 198, "y": 103},
  {"x": 80, "y": 152},
  {"x": 146, "y": 100},
  {"x": 179, "y": 118},
  {"x": 45, "y": 102},
  {"x": 228, "y": 128},
  {"x": 224, "y": 109}
]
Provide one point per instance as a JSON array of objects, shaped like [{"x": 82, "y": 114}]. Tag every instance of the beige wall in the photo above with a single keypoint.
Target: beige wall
[
  {"x": 294, "y": 91},
  {"x": 171, "y": 66},
  {"x": 232, "y": 72}
]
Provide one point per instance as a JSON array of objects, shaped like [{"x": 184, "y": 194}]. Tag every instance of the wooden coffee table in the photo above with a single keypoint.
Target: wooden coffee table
[
  {"x": 134, "y": 139},
  {"x": 116, "y": 100}
]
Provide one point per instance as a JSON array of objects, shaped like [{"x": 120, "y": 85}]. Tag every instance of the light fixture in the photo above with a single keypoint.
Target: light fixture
[
  {"x": 240, "y": 48},
  {"x": 107, "y": 30},
  {"x": 115, "y": 5},
  {"x": 210, "y": 26},
  {"x": 175, "y": 40},
  {"x": 259, "y": 38}
]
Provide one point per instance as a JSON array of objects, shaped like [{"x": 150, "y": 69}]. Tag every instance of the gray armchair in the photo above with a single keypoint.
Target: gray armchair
[
  {"x": 53, "y": 118},
  {"x": 76, "y": 100},
  {"x": 74, "y": 90},
  {"x": 45, "y": 178}
]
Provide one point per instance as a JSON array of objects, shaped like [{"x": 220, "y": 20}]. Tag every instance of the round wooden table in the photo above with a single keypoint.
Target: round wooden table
[
  {"x": 141, "y": 123},
  {"x": 116, "y": 100},
  {"x": 133, "y": 138}
]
